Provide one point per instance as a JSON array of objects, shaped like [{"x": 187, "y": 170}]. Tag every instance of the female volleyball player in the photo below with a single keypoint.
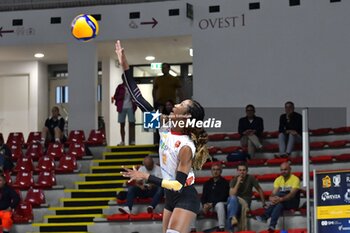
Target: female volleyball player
[{"x": 181, "y": 149}]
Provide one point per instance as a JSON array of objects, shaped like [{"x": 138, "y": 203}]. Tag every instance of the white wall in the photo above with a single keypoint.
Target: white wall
[
  {"x": 37, "y": 96},
  {"x": 278, "y": 53}
]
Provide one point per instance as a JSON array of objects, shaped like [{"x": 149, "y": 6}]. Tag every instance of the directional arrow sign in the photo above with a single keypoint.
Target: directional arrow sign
[
  {"x": 154, "y": 22},
  {"x": 5, "y": 31}
]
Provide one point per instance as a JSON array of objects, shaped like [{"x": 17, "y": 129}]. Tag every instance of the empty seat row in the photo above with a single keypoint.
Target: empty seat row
[
  {"x": 66, "y": 164},
  {"x": 274, "y": 147},
  {"x": 274, "y": 134},
  {"x": 25, "y": 180},
  {"x": 56, "y": 150},
  {"x": 96, "y": 138}
]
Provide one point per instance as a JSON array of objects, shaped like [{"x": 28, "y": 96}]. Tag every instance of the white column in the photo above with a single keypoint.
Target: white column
[
  {"x": 82, "y": 83},
  {"x": 111, "y": 78}
]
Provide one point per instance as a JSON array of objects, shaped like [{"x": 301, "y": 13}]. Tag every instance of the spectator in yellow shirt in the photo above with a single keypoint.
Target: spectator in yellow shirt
[{"x": 285, "y": 195}]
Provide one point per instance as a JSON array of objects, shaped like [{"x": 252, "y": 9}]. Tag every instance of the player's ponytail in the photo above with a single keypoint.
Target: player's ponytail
[{"x": 199, "y": 136}]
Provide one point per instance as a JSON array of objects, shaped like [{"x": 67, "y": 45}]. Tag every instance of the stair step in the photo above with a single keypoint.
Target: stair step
[
  {"x": 79, "y": 210},
  {"x": 72, "y": 218},
  {"x": 91, "y": 193},
  {"x": 77, "y": 202},
  {"x": 109, "y": 169},
  {"x": 103, "y": 176},
  {"x": 112, "y": 162},
  {"x": 100, "y": 184},
  {"x": 126, "y": 155},
  {"x": 150, "y": 147},
  {"x": 63, "y": 227}
]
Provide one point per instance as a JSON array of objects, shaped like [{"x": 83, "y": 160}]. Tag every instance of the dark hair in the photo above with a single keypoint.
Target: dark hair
[
  {"x": 289, "y": 102},
  {"x": 198, "y": 135},
  {"x": 250, "y": 106},
  {"x": 243, "y": 164},
  {"x": 2, "y": 141}
]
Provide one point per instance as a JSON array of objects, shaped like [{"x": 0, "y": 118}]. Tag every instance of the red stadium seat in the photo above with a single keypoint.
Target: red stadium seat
[
  {"x": 34, "y": 137},
  {"x": 45, "y": 180},
  {"x": 210, "y": 164},
  {"x": 67, "y": 164},
  {"x": 201, "y": 180},
  {"x": 322, "y": 159},
  {"x": 16, "y": 152},
  {"x": 96, "y": 138},
  {"x": 24, "y": 165},
  {"x": 342, "y": 157},
  {"x": 270, "y": 147},
  {"x": 297, "y": 230},
  {"x": 318, "y": 145},
  {"x": 341, "y": 130},
  {"x": 296, "y": 160},
  {"x": 118, "y": 217},
  {"x": 158, "y": 216},
  {"x": 35, "y": 197},
  {"x": 230, "y": 149},
  {"x": 8, "y": 178},
  {"x": 77, "y": 150},
  {"x": 245, "y": 231},
  {"x": 76, "y": 136},
  {"x": 276, "y": 161},
  {"x": 55, "y": 150},
  {"x": 232, "y": 164},
  {"x": 23, "y": 213},
  {"x": 266, "y": 231},
  {"x": 256, "y": 162},
  {"x": 234, "y": 136},
  {"x": 267, "y": 177},
  {"x": 34, "y": 151},
  {"x": 272, "y": 134},
  {"x": 15, "y": 138},
  {"x": 213, "y": 150},
  {"x": 257, "y": 212},
  {"x": 321, "y": 131},
  {"x": 141, "y": 217},
  {"x": 45, "y": 163},
  {"x": 338, "y": 144},
  {"x": 24, "y": 180},
  {"x": 216, "y": 137}
]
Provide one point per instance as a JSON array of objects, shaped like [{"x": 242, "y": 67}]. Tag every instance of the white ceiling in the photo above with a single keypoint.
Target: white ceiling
[{"x": 165, "y": 49}]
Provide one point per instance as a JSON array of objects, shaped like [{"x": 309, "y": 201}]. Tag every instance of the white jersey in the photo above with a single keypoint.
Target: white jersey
[{"x": 169, "y": 147}]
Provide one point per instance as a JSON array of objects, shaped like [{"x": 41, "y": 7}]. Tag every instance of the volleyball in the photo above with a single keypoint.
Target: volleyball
[{"x": 84, "y": 27}]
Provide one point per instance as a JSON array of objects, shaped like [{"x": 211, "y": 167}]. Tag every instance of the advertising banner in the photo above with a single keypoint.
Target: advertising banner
[{"x": 333, "y": 201}]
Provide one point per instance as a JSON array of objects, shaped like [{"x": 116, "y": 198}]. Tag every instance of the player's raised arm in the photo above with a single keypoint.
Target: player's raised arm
[{"x": 130, "y": 82}]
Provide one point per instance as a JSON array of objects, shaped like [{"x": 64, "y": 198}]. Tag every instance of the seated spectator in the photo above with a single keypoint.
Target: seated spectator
[
  {"x": 285, "y": 195},
  {"x": 241, "y": 190},
  {"x": 54, "y": 128},
  {"x": 143, "y": 189},
  {"x": 290, "y": 129},
  {"x": 215, "y": 193},
  {"x": 8, "y": 202},
  {"x": 5, "y": 156},
  {"x": 251, "y": 128}
]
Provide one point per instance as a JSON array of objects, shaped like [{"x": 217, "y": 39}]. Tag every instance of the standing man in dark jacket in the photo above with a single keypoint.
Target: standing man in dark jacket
[
  {"x": 215, "y": 194},
  {"x": 290, "y": 129},
  {"x": 9, "y": 200},
  {"x": 251, "y": 128}
]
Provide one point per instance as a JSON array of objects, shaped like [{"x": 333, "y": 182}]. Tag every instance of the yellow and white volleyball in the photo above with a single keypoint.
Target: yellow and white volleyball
[{"x": 84, "y": 27}]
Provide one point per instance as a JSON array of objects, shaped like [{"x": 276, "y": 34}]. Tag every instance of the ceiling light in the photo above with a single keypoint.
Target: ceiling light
[
  {"x": 150, "y": 58},
  {"x": 39, "y": 55},
  {"x": 191, "y": 52}
]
